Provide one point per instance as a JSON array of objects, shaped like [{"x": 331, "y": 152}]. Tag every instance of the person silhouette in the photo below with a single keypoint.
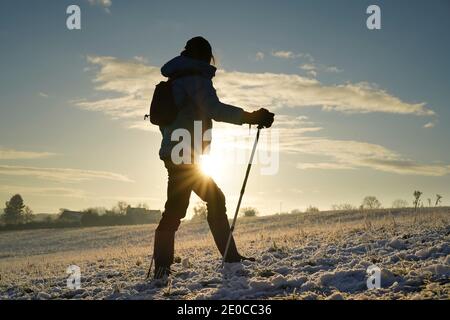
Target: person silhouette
[{"x": 196, "y": 100}]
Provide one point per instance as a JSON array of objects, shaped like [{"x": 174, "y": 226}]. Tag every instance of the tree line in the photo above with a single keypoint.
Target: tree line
[
  {"x": 371, "y": 202},
  {"x": 17, "y": 216}
]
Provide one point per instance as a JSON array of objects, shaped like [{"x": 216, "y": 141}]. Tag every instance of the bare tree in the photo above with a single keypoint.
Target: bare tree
[
  {"x": 400, "y": 203},
  {"x": 417, "y": 195},
  {"x": 249, "y": 212},
  {"x": 143, "y": 205},
  {"x": 121, "y": 207},
  {"x": 27, "y": 214},
  {"x": 438, "y": 200},
  {"x": 200, "y": 211},
  {"x": 343, "y": 207},
  {"x": 371, "y": 202},
  {"x": 312, "y": 209}
]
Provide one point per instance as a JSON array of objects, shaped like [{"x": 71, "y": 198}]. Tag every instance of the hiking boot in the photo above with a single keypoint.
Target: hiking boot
[
  {"x": 238, "y": 258},
  {"x": 220, "y": 229},
  {"x": 161, "y": 273},
  {"x": 163, "y": 253},
  {"x": 251, "y": 259}
]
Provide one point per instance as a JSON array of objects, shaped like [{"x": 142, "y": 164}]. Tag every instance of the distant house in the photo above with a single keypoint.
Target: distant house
[
  {"x": 70, "y": 216},
  {"x": 44, "y": 217},
  {"x": 143, "y": 215}
]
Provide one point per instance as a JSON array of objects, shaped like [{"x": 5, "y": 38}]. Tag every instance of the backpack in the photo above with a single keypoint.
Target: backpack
[{"x": 163, "y": 109}]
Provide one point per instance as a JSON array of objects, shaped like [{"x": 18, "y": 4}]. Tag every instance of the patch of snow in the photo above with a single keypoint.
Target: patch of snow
[
  {"x": 347, "y": 281},
  {"x": 398, "y": 244},
  {"x": 335, "y": 296},
  {"x": 440, "y": 270},
  {"x": 324, "y": 264},
  {"x": 43, "y": 296}
]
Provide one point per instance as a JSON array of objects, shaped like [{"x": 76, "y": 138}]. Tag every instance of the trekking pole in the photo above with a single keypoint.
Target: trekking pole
[
  {"x": 240, "y": 196},
  {"x": 149, "y": 269}
]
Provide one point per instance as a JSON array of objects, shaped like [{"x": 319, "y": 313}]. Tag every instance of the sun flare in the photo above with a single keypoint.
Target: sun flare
[{"x": 210, "y": 166}]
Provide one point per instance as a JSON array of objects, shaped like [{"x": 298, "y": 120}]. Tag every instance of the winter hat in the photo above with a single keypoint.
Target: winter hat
[{"x": 198, "y": 48}]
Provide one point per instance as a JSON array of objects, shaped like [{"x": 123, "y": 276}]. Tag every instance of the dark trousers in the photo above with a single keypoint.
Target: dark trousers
[{"x": 183, "y": 179}]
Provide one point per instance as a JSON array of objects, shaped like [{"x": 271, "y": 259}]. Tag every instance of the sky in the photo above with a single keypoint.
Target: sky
[{"x": 358, "y": 112}]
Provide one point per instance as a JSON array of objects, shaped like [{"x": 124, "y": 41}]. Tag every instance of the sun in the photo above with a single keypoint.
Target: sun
[{"x": 210, "y": 166}]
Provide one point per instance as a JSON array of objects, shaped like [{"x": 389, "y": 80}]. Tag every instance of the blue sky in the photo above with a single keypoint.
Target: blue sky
[{"x": 57, "y": 152}]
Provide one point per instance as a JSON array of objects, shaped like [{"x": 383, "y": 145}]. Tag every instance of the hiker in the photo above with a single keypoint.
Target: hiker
[{"x": 191, "y": 78}]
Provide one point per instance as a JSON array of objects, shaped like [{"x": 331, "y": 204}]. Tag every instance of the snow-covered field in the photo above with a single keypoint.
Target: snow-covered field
[{"x": 318, "y": 256}]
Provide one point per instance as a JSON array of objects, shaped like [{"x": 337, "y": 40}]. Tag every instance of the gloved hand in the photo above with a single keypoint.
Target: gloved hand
[{"x": 262, "y": 117}]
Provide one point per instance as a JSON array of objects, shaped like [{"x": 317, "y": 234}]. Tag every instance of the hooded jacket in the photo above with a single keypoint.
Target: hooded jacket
[{"x": 196, "y": 100}]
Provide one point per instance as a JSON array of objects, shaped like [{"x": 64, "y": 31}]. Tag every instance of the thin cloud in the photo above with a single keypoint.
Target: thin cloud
[
  {"x": 11, "y": 154},
  {"x": 259, "y": 56},
  {"x": 141, "y": 59},
  {"x": 102, "y": 3},
  {"x": 313, "y": 69},
  {"x": 43, "y": 191},
  {"x": 295, "y": 91},
  {"x": 333, "y": 69},
  {"x": 312, "y": 73},
  {"x": 134, "y": 82},
  {"x": 308, "y": 67},
  {"x": 324, "y": 166},
  {"x": 349, "y": 154},
  {"x": 289, "y": 122},
  {"x": 61, "y": 174},
  {"x": 43, "y": 95},
  {"x": 143, "y": 125},
  {"x": 429, "y": 125},
  {"x": 310, "y": 63},
  {"x": 286, "y": 54},
  {"x": 409, "y": 167},
  {"x": 128, "y": 199},
  {"x": 106, "y": 4}
]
